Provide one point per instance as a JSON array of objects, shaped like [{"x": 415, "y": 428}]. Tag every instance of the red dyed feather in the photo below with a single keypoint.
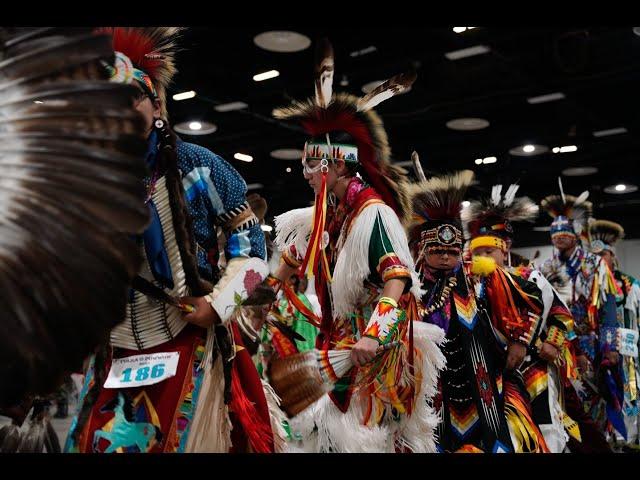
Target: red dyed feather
[{"x": 136, "y": 45}]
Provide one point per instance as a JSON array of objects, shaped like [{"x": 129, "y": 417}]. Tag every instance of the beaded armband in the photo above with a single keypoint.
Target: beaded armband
[
  {"x": 555, "y": 337},
  {"x": 384, "y": 320}
]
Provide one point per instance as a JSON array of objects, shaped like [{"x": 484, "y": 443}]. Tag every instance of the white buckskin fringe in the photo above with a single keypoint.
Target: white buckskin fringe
[
  {"x": 344, "y": 432},
  {"x": 352, "y": 266},
  {"x": 418, "y": 432},
  {"x": 210, "y": 430},
  {"x": 555, "y": 436},
  {"x": 277, "y": 417}
]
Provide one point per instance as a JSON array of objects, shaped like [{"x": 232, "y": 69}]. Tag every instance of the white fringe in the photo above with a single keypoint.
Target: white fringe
[
  {"x": 210, "y": 430},
  {"x": 352, "y": 266},
  {"x": 277, "y": 417},
  {"x": 418, "y": 430},
  {"x": 554, "y": 433},
  {"x": 339, "y": 432},
  {"x": 294, "y": 228}
]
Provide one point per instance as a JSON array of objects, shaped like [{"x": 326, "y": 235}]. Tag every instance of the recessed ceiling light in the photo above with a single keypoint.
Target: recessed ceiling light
[
  {"x": 466, "y": 203},
  {"x": 266, "y": 75},
  {"x": 542, "y": 229},
  {"x": 288, "y": 169},
  {"x": 610, "y": 131},
  {"x": 38, "y": 102},
  {"x": 489, "y": 160},
  {"x": 462, "y": 29},
  {"x": 243, "y": 157},
  {"x": 579, "y": 171},
  {"x": 467, "y": 124},
  {"x": 184, "y": 95},
  {"x": 367, "y": 87},
  {"x": 287, "y": 154},
  {"x": 254, "y": 186},
  {"x": 550, "y": 97},
  {"x": 565, "y": 149},
  {"x": 266, "y": 228},
  {"x": 478, "y": 161},
  {"x": 195, "y": 127},
  {"x": 529, "y": 150},
  {"x": 364, "y": 51},
  {"x": 467, "y": 52},
  {"x": 620, "y": 188},
  {"x": 230, "y": 107},
  {"x": 282, "y": 41}
]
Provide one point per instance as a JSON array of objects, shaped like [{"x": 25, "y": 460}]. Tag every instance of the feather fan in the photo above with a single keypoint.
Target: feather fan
[{"x": 71, "y": 194}]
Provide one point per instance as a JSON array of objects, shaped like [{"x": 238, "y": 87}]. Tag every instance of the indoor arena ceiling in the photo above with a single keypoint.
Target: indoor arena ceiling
[{"x": 547, "y": 87}]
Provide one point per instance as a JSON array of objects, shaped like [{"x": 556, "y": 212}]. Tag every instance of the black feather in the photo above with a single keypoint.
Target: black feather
[{"x": 71, "y": 195}]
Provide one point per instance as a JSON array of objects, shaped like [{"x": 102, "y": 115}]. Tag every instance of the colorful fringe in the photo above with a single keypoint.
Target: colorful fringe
[
  {"x": 294, "y": 300},
  {"x": 526, "y": 435},
  {"x": 316, "y": 255},
  {"x": 505, "y": 313}
]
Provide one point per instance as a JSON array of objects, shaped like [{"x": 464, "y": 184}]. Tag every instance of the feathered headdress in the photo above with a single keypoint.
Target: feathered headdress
[
  {"x": 604, "y": 234},
  {"x": 489, "y": 221},
  {"x": 434, "y": 207},
  {"x": 327, "y": 112},
  {"x": 151, "y": 50},
  {"x": 569, "y": 213}
]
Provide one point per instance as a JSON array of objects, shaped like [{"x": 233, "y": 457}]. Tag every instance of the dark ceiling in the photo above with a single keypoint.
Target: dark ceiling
[{"x": 597, "y": 69}]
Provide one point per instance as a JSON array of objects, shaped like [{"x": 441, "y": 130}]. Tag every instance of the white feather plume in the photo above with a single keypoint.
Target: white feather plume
[
  {"x": 564, "y": 199},
  {"x": 293, "y": 228},
  {"x": 582, "y": 197},
  {"x": 511, "y": 194},
  {"x": 495, "y": 194}
]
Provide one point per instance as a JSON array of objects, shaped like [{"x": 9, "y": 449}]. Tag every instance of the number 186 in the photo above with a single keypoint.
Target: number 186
[{"x": 143, "y": 373}]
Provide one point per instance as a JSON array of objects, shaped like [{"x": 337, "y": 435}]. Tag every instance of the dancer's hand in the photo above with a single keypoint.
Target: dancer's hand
[
  {"x": 364, "y": 351},
  {"x": 549, "y": 352},
  {"x": 515, "y": 355},
  {"x": 613, "y": 357},
  {"x": 204, "y": 315},
  {"x": 584, "y": 365}
]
